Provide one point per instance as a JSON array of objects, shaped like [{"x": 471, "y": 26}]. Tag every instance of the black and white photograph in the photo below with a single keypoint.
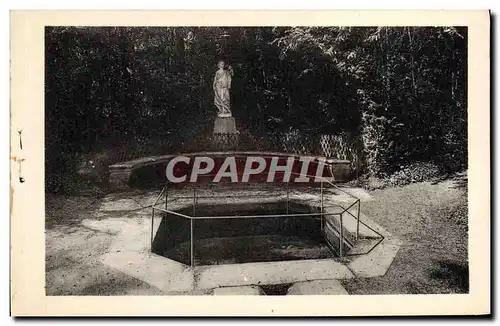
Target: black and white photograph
[{"x": 255, "y": 160}]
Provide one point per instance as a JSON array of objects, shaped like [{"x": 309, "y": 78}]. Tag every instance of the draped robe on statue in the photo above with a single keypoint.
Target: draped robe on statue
[{"x": 222, "y": 85}]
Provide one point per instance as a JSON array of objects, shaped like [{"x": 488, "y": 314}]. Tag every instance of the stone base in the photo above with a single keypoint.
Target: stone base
[
  {"x": 226, "y": 125},
  {"x": 225, "y": 135}
]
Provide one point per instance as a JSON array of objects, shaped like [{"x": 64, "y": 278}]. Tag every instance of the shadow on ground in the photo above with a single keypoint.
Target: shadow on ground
[
  {"x": 453, "y": 274},
  {"x": 458, "y": 180}
]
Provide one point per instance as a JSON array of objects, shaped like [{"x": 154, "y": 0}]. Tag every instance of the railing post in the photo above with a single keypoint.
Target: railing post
[
  {"x": 166, "y": 196},
  {"x": 322, "y": 208},
  {"x": 192, "y": 227},
  {"x": 357, "y": 225},
  {"x": 341, "y": 241},
  {"x": 287, "y": 198},
  {"x": 153, "y": 216},
  {"x": 194, "y": 201},
  {"x": 152, "y": 227},
  {"x": 166, "y": 214}
]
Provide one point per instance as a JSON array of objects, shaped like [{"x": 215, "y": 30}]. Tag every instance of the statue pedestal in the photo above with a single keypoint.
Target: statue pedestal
[
  {"x": 225, "y": 125},
  {"x": 225, "y": 135}
]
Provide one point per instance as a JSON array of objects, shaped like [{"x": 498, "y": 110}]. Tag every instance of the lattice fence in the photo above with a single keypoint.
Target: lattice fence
[
  {"x": 344, "y": 147},
  {"x": 340, "y": 146}
]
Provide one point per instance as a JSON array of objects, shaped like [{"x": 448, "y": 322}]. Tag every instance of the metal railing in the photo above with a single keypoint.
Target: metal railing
[{"x": 322, "y": 214}]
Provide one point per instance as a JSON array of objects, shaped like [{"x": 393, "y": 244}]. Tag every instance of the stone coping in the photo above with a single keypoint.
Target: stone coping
[
  {"x": 130, "y": 253},
  {"x": 163, "y": 158}
]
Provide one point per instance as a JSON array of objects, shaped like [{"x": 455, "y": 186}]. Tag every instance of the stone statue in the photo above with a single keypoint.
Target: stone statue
[{"x": 222, "y": 85}]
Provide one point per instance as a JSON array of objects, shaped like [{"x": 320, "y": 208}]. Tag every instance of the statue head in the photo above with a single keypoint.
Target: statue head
[{"x": 221, "y": 64}]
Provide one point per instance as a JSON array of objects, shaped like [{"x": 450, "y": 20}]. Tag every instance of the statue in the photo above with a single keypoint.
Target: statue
[{"x": 222, "y": 85}]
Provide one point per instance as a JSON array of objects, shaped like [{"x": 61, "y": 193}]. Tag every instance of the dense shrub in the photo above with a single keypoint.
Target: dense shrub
[
  {"x": 411, "y": 173},
  {"x": 399, "y": 91},
  {"x": 414, "y": 172},
  {"x": 70, "y": 184}
]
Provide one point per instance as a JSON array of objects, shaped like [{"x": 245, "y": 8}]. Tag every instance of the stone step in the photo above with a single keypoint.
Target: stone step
[
  {"x": 318, "y": 287},
  {"x": 209, "y": 277},
  {"x": 239, "y": 290}
]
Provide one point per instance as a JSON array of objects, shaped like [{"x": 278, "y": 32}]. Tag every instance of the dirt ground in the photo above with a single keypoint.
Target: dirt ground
[
  {"x": 72, "y": 253},
  {"x": 431, "y": 219}
]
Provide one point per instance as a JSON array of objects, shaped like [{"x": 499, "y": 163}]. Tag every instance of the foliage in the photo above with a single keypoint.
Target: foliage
[
  {"x": 400, "y": 90},
  {"x": 410, "y": 88}
]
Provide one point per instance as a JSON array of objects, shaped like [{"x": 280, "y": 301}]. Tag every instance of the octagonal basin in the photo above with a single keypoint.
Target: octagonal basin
[{"x": 226, "y": 234}]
